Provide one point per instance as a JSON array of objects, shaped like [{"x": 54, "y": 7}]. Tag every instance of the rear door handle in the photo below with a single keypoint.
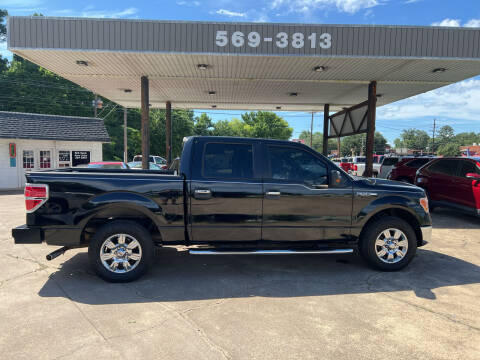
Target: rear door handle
[{"x": 202, "y": 194}]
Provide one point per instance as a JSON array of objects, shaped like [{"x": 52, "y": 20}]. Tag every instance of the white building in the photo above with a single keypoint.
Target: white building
[{"x": 36, "y": 141}]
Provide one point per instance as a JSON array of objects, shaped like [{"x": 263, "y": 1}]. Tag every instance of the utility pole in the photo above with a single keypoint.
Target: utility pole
[
  {"x": 125, "y": 146},
  {"x": 95, "y": 107},
  {"x": 433, "y": 135},
  {"x": 311, "y": 132}
]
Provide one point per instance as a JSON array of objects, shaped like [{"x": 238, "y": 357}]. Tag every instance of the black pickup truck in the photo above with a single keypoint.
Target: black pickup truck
[{"x": 229, "y": 196}]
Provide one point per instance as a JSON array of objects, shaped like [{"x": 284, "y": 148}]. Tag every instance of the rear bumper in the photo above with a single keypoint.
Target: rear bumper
[
  {"x": 70, "y": 237},
  {"x": 426, "y": 234},
  {"x": 26, "y": 235}
]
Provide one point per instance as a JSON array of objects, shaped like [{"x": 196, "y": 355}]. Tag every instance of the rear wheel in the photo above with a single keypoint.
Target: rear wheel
[
  {"x": 388, "y": 244},
  {"x": 121, "y": 251}
]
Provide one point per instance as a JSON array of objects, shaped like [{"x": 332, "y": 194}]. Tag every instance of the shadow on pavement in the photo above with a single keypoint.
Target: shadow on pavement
[
  {"x": 178, "y": 276},
  {"x": 444, "y": 218}
]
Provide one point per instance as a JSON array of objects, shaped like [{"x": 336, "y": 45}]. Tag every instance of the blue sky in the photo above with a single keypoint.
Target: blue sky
[{"x": 457, "y": 105}]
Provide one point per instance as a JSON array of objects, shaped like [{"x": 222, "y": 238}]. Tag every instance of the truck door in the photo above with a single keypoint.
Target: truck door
[
  {"x": 225, "y": 191},
  {"x": 299, "y": 204}
]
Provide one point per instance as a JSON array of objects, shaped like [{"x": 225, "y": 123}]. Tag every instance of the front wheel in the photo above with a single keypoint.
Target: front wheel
[
  {"x": 121, "y": 251},
  {"x": 388, "y": 244}
]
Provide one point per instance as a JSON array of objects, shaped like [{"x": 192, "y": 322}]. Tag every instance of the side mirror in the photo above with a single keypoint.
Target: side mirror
[
  {"x": 474, "y": 176},
  {"x": 336, "y": 179}
]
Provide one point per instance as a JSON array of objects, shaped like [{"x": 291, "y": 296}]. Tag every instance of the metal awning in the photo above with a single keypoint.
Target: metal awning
[{"x": 248, "y": 65}]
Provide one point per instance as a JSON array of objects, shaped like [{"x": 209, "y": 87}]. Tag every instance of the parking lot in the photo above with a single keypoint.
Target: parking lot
[{"x": 234, "y": 307}]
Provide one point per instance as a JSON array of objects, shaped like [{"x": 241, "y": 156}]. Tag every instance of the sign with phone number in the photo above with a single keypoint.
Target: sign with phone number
[{"x": 282, "y": 39}]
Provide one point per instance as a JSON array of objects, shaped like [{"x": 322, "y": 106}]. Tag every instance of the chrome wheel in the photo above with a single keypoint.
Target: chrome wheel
[
  {"x": 120, "y": 253},
  {"x": 391, "y": 245}
]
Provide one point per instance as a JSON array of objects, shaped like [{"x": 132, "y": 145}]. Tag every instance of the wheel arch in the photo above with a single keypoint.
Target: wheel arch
[
  {"x": 403, "y": 213},
  {"x": 110, "y": 212}
]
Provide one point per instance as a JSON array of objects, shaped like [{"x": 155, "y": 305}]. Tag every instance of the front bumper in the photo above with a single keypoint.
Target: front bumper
[
  {"x": 27, "y": 235},
  {"x": 426, "y": 234}
]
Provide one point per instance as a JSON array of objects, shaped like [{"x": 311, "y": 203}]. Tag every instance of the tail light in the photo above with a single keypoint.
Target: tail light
[
  {"x": 35, "y": 196},
  {"x": 355, "y": 168}
]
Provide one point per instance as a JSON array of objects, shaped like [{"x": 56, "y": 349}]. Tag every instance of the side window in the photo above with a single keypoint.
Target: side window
[
  {"x": 468, "y": 167},
  {"x": 228, "y": 161},
  {"x": 296, "y": 165},
  {"x": 417, "y": 163},
  {"x": 446, "y": 167}
]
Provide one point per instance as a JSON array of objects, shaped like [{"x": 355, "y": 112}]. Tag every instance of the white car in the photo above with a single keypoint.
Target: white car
[{"x": 153, "y": 159}]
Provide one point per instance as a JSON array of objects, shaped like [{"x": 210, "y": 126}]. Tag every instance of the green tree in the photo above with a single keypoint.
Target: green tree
[
  {"x": 266, "y": 124},
  {"x": 3, "y": 38},
  {"x": 449, "y": 149},
  {"x": 357, "y": 144},
  {"x": 203, "y": 125},
  {"x": 444, "y": 136},
  {"x": 413, "y": 139},
  {"x": 467, "y": 138}
]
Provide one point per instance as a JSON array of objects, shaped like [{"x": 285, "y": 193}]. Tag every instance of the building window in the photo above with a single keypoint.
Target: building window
[
  {"x": 28, "y": 159},
  {"x": 63, "y": 158},
  {"x": 45, "y": 159}
]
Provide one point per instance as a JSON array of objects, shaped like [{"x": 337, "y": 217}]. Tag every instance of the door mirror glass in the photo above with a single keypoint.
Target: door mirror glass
[
  {"x": 336, "y": 179},
  {"x": 473, "y": 176}
]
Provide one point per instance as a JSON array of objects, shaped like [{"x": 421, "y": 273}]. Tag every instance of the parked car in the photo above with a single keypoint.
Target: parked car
[
  {"x": 357, "y": 166},
  {"x": 387, "y": 165},
  {"x": 453, "y": 183},
  {"x": 153, "y": 159},
  {"x": 107, "y": 165},
  {"x": 137, "y": 165},
  {"x": 406, "y": 169},
  {"x": 232, "y": 196}
]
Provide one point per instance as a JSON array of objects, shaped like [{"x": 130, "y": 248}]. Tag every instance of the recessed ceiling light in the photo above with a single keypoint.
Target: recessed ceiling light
[
  {"x": 214, "y": 106},
  {"x": 278, "y": 107},
  {"x": 439, "y": 70},
  {"x": 82, "y": 62},
  {"x": 202, "y": 66},
  {"x": 212, "y": 92},
  {"x": 127, "y": 90},
  {"x": 293, "y": 94},
  {"x": 379, "y": 95},
  {"x": 319, "y": 68}
]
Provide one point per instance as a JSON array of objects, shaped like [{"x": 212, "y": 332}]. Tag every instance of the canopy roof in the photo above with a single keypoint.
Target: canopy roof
[{"x": 248, "y": 65}]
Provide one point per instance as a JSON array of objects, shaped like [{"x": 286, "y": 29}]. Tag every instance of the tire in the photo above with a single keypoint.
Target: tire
[
  {"x": 406, "y": 243},
  {"x": 133, "y": 259}
]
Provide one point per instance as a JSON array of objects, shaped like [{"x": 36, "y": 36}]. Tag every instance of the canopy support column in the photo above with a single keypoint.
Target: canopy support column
[
  {"x": 326, "y": 111},
  {"x": 168, "y": 133},
  {"x": 372, "y": 107},
  {"x": 125, "y": 136},
  {"x": 145, "y": 123}
]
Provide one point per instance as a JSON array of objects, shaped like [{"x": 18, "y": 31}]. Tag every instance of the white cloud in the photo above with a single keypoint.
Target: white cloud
[
  {"x": 473, "y": 23},
  {"x": 304, "y": 6},
  {"x": 230, "y": 13},
  {"x": 90, "y": 12},
  {"x": 411, "y": 1},
  {"x": 188, "y": 3},
  {"x": 457, "y": 23},
  {"x": 447, "y": 22},
  {"x": 460, "y": 101}
]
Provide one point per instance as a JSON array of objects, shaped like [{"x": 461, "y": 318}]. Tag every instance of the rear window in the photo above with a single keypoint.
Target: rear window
[
  {"x": 390, "y": 161},
  {"x": 228, "y": 161},
  {"x": 417, "y": 163},
  {"x": 360, "y": 159},
  {"x": 469, "y": 167},
  {"x": 446, "y": 167}
]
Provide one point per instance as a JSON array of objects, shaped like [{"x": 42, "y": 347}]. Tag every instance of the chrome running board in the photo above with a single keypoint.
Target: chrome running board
[{"x": 269, "y": 252}]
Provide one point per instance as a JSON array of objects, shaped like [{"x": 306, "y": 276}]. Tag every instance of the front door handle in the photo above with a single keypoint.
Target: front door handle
[
  {"x": 274, "y": 194},
  {"x": 202, "y": 194}
]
